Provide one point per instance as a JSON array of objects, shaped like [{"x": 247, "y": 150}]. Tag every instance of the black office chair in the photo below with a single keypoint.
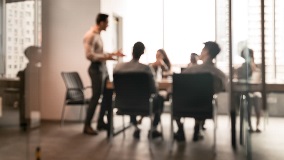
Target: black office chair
[
  {"x": 133, "y": 95},
  {"x": 182, "y": 69},
  {"x": 74, "y": 92},
  {"x": 193, "y": 96}
]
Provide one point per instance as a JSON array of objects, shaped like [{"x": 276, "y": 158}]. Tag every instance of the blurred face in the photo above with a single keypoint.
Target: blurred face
[
  {"x": 104, "y": 25},
  {"x": 193, "y": 58},
  {"x": 159, "y": 55},
  {"x": 204, "y": 54}
]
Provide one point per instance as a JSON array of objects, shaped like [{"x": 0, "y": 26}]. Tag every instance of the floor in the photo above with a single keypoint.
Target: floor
[{"x": 68, "y": 143}]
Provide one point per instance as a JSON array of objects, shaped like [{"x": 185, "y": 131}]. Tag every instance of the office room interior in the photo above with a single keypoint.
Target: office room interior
[{"x": 31, "y": 121}]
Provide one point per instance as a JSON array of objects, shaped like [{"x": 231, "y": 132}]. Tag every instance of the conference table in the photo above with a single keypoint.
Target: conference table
[
  {"x": 9, "y": 82},
  {"x": 238, "y": 87}
]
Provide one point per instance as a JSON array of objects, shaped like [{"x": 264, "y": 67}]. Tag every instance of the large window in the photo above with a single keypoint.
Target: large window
[
  {"x": 180, "y": 27},
  {"x": 22, "y": 28},
  {"x": 246, "y": 32},
  {"x": 2, "y": 57},
  {"x": 188, "y": 24},
  {"x": 278, "y": 32}
]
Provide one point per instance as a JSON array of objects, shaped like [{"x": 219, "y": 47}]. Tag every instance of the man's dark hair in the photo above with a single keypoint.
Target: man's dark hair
[
  {"x": 193, "y": 58},
  {"x": 101, "y": 18},
  {"x": 213, "y": 48},
  {"x": 138, "y": 50},
  {"x": 245, "y": 51}
]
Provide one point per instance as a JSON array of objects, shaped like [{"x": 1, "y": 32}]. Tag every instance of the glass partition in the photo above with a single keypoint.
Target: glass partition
[
  {"x": 20, "y": 54},
  {"x": 250, "y": 33}
]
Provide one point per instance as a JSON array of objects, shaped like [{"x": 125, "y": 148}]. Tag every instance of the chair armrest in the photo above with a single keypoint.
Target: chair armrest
[
  {"x": 75, "y": 89},
  {"x": 214, "y": 100},
  {"x": 151, "y": 99},
  {"x": 87, "y": 87}
]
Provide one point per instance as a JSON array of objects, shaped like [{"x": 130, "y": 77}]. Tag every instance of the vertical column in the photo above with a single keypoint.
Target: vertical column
[
  {"x": 233, "y": 109},
  {"x": 263, "y": 56}
]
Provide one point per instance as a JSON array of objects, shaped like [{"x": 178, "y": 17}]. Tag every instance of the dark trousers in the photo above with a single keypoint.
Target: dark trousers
[
  {"x": 158, "y": 106},
  {"x": 237, "y": 102},
  {"x": 198, "y": 123},
  {"x": 98, "y": 80}
]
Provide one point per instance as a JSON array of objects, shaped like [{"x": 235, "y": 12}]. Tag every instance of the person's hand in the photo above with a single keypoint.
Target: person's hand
[
  {"x": 109, "y": 57},
  {"x": 157, "y": 63},
  {"x": 118, "y": 53},
  {"x": 161, "y": 61}
]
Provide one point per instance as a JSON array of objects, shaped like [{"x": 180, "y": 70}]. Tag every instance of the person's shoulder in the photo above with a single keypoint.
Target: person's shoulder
[
  {"x": 145, "y": 67},
  {"x": 119, "y": 65},
  {"x": 219, "y": 73},
  {"x": 219, "y": 70},
  {"x": 191, "y": 69},
  {"x": 89, "y": 35}
]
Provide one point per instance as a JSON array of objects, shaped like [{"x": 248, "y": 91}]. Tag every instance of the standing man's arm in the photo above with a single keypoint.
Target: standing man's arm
[
  {"x": 89, "y": 50},
  {"x": 91, "y": 55}
]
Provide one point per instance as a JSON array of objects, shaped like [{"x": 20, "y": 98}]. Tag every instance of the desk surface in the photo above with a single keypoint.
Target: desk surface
[
  {"x": 238, "y": 86},
  {"x": 272, "y": 86},
  {"x": 9, "y": 79},
  {"x": 9, "y": 82}
]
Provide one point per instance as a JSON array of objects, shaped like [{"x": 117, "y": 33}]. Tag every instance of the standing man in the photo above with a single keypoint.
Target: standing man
[{"x": 94, "y": 51}]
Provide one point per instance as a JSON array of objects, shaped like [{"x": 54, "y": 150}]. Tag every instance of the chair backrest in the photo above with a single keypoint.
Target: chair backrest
[
  {"x": 192, "y": 95},
  {"x": 73, "y": 85},
  {"x": 182, "y": 69},
  {"x": 133, "y": 91}
]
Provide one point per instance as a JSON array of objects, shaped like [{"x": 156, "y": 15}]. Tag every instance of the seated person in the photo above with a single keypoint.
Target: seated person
[
  {"x": 160, "y": 66},
  {"x": 28, "y": 80},
  {"x": 193, "y": 60},
  {"x": 162, "y": 62},
  {"x": 209, "y": 52},
  {"x": 245, "y": 72},
  {"x": 135, "y": 66}
]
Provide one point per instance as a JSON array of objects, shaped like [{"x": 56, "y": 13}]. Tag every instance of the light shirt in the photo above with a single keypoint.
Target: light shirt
[
  {"x": 136, "y": 67},
  {"x": 220, "y": 79},
  {"x": 98, "y": 47}
]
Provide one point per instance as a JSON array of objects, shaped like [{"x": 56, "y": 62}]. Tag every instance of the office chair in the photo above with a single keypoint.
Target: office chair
[
  {"x": 74, "y": 92},
  {"x": 133, "y": 96},
  {"x": 193, "y": 96}
]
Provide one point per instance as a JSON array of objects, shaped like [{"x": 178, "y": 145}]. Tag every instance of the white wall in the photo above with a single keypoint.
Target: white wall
[
  {"x": 64, "y": 23},
  {"x": 142, "y": 21}
]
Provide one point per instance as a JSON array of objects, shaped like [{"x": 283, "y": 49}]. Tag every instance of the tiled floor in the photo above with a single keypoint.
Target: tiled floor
[{"x": 68, "y": 143}]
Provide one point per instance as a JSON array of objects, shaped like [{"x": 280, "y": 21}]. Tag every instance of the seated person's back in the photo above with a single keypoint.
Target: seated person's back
[{"x": 134, "y": 66}]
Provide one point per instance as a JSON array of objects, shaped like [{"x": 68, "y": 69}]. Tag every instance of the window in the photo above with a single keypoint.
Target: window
[
  {"x": 184, "y": 31},
  {"x": 19, "y": 24},
  {"x": 246, "y": 28}
]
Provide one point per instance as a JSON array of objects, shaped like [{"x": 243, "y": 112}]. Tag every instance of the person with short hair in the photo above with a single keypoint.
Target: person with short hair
[
  {"x": 94, "y": 52},
  {"x": 245, "y": 72},
  {"x": 208, "y": 53},
  {"x": 193, "y": 59},
  {"x": 135, "y": 66}
]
